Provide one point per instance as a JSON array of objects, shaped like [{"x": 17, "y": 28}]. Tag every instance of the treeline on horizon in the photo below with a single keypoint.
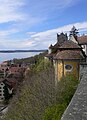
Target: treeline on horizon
[{"x": 13, "y": 51}]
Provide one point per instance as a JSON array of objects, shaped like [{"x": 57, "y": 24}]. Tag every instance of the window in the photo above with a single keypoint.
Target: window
[
  {"x": 2, "y": 98},
  {"x": 2, "y": 84},
  {"x": 68, "y": 67}
]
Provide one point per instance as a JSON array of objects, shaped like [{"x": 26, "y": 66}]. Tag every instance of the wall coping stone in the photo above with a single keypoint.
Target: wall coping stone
[{"x": 77, "y": 109}]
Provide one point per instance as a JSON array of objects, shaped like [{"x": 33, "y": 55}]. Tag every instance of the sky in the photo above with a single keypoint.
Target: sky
[{"x": 33, "y": 24}]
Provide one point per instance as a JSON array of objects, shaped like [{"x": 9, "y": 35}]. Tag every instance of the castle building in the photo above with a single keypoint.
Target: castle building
[
  {"x": 67, "y": 55},
  {"x": 67, "y": 60},
  {"x": 54, "y": 48}
]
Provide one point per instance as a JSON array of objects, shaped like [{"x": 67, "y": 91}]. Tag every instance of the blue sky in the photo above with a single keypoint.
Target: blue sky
[{"x": 33, "y": 24}]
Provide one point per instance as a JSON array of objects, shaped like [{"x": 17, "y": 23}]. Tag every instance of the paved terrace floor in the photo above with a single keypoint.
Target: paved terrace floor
[{"x": 77, "y": 109}]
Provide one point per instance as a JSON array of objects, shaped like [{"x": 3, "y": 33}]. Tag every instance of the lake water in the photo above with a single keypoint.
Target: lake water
[{"x": 10, "y": 56}]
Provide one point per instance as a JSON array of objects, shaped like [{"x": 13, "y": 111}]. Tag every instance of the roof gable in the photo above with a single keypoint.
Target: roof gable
[
  {"x": 69, "y": 45},
  {"x": 82, "y": 39},
  {"x": 69, "y": 54},
  {"x": 72, "y": 38}
]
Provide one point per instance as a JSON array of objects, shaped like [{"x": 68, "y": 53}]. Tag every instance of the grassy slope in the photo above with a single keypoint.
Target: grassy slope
[{"x": 38, "y": 99}]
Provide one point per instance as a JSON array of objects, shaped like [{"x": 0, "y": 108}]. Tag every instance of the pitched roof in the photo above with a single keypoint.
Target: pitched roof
[
  {"x": 69, "y": 45},
  {"x": 11, "y": 82},
  {"x": 50, "y": 55},
  {"x": 82, "y": 39},
  {"x": 14, "y": 69},
  {"x": 69, "y": 54},
  {"x": 50, "y": 46},
  {"x": 57, "y": 45},
  {"x": 1, "y": 80}
]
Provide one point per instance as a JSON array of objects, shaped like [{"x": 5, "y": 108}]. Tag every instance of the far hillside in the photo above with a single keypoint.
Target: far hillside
[{"x": 30, "y": 60}]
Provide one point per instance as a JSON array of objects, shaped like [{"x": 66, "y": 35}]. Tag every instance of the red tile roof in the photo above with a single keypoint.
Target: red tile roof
[
  {"x": 82, "y": 39},
  {"x": 69, "y": 54},
  {"x": 1, "y": 79},
  {"x": 14, "y": 69},
  {"x": 11, "y": 82},
  {"x": 69, "y": 45},
  {"x": 50, "y": 55},
  {"x": 57, "y": 45}
]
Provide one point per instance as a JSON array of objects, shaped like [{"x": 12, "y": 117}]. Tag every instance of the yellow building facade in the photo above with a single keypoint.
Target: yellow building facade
[{"x": 64, "y": 67}]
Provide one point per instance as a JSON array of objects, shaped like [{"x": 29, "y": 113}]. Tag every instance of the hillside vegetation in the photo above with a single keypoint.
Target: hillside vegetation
[{"x": 39, "y": 98}]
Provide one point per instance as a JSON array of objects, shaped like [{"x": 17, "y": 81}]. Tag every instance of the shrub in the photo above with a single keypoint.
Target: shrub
[
  {"x": 55, "y": 112},
  {"x": 65, "y": 90}
]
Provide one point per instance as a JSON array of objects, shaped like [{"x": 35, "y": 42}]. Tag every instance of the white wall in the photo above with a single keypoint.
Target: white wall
[{"x": 84, "y": 48}]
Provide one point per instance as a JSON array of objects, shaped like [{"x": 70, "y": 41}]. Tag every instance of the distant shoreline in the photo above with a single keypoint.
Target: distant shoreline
[{"x": 15, "y": 51}]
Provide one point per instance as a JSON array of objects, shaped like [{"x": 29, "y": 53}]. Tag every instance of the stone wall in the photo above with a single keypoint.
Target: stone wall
[{"x": 77, "y": 109}]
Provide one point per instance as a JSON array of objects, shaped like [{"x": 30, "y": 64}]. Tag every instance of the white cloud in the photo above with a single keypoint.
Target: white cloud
[
  {"x": 6, "y": 33},
  {"x": 48, "y": 6},
  {"x": 81, "y": 26},
  {"x": 8, "y": 44},
  {"x": 15, "y": 11},
  {"x": 37, "y": 10},
  {"x": 49, "y": 37},
  {"x": 39, "y": 40},
  {"x": 31, "y": 33},
  {"x": 9, "y": 10}
]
